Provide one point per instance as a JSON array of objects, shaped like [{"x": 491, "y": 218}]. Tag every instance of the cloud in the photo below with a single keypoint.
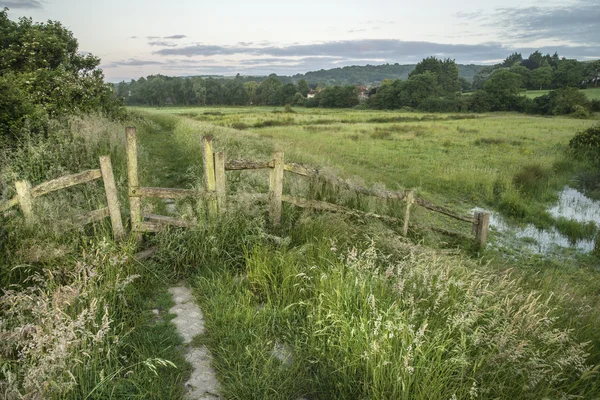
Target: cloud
[
  {"x": 174, "y": 37},
  {"x": 24, "y": 4},
  {"x": 575, "y": 23},
  {"x": 153, "y": 37},
  {"x": 132, "y": 62},
  {"x": 162, "y": 43},
  {"x": 356, "y": 30},
  {"x": 133, "y": 37}
]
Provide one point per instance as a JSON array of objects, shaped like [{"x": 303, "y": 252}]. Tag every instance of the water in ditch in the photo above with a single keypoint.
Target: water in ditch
[{"x": 571, "y": 204}]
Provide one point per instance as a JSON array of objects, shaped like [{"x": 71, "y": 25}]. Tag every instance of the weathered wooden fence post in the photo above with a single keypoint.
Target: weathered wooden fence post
[
  {"x": 220, "y": 182},
  {"x": 410, "y": 199},
  {"x": 135, "y": 203},
  {"x": 209, "y": 175},
  {"x": 276, "y": 188},
  {"x": 481, "y": 226},
  {"x": 25, "y": 200},
  {"x": 112, "y": 199}
]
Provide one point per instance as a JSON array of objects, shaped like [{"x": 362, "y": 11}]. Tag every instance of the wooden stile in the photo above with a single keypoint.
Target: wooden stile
[
  {"x": 220, "y": 182},
  {"x": 276, "y": 188},
  {"x": 165, "y": 193},
  {"x": 209, "y": 174},
  {"x": 410, "y": 199},
  {"x": 135, "y": 203},
  {"x": 112, "y": 199},
  {"x": 25, "y": 200}
]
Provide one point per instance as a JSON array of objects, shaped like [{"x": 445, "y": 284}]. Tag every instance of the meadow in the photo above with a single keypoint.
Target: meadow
[
  {"x": 592, "y": 93},
  {"x": 362, "y": 311}
]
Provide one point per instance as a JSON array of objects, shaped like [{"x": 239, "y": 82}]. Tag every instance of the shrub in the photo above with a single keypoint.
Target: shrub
[
  {"x": 587, "y": 143},
  {"x": 239, "y": 126},
  {"x": 434, "y": 104},
  {"x": 530, "y": 177}
]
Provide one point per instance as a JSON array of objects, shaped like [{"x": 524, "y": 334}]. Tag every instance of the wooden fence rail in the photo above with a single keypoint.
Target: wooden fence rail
[{"x": 26, "y": 195}]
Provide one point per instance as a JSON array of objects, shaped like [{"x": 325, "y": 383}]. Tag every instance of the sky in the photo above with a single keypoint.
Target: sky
[{"x": 137, "y": 38}]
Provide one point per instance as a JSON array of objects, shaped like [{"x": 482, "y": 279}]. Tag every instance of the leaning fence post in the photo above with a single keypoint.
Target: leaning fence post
[
  {"x": 135, "y": 206},
  {"x": 220, "y": 182},
  {"x": 110, "y": 188},
  {"x": 209, "y": 174},
  {"x": 410, "y": 199},
  {"x": 25, "y": 200},
  {"x": 276, "y": 188},
  {"x": 481, "y": 226}
]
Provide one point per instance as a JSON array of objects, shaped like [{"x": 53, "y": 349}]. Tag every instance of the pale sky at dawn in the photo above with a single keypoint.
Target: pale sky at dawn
[{"x": 184, "y": 37}]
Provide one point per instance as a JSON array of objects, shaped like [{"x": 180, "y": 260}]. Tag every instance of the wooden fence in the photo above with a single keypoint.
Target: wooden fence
[
  {"x": 26, "y": 195},
  {"x": 215, "y": 192}
]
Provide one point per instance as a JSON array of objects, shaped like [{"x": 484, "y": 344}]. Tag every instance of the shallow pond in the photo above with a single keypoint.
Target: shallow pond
[{"x": 571, "y": 205}]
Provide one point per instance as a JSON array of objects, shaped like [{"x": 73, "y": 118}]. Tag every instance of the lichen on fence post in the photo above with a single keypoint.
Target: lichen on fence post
[
  {"x": 220, "y": 182},
  {"x": 110, "y": 188},
  {"x": 25, "y": 200},
  {"x": 481, "y": 227},
  {"x": 208, "y": 164},
  {"x": 276, "y": 188},
  {"x": 410, "y": 199},
  {"x": 135, "y": 206}
]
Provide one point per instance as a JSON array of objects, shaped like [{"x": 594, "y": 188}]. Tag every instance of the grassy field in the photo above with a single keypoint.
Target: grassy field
[
  {"x": 363, "y": 312},
  {"x": 592, "y": 93},
  {"x": 512, "y": 162}
]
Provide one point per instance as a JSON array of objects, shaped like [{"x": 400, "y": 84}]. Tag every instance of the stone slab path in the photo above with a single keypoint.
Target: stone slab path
[{"x": 203, "y": 383}]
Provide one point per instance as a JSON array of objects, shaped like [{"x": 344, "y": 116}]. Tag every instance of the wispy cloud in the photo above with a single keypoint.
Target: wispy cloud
[
  {"x": 175, "y": 37},
  {"x": 132, "y": 62},
  {"x": 162, "y": 43},
  {"x": 576, "y": 23},
  {"x": 22, "y": 4}
]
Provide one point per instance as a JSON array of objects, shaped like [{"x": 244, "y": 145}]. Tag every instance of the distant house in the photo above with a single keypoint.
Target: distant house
[
  {"x": 312, "y": 94},
  {"x": 363, "y": 93}
]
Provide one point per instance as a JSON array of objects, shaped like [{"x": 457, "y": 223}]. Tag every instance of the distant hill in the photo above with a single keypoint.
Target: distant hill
[{"x": 372, "y": 75}]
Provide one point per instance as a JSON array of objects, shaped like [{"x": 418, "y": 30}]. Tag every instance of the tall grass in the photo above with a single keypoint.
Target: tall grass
[
  {"x": 75, "y": 305},
  {"x": 371, "y": 316}
]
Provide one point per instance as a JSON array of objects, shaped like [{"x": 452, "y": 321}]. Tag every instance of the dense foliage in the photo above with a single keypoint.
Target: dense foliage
[
  {"x": 42, "y": 75},
  {"x": 587, "y": 143}
]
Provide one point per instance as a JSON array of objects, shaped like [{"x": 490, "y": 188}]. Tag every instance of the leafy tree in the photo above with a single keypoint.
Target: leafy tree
[
  {"x": 445, "y": 72},
  {"x": 303, "y": 87},
  {"x": 542, "y": 77},
  {"x": 503, "y": 88},
  {"x": 235, "y": 93},
  {"x": 512, "y": 60},
  {"x": 267, "y": 90},
  {"x": 250, "y": 88},
  {"x": 43, "y": 75},
  {"x": 524, "y": 73},
  {"x": 465, "y": 85},
  {"x": 284, "y": 94},
  {"x": 418, "y": 88},
  {"x": 569, "y": 73}
]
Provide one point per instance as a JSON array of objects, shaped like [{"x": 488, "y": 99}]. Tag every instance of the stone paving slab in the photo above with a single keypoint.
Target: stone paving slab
[{"x": 203, "y": 383}]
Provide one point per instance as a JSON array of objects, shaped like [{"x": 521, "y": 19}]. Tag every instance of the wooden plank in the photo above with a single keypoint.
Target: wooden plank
[
  {"x": 112, "y": 198},
  {"x": 410, "y": 199},
  {"x": 300, "y": 169},
  {"x": 276, "y": 188},
  {"x": 135, "y": 204},
  {"x": 164, "y": 220},
  {"x": 145, "y": 254},
  {"x": 238, "y": 165},
  {"x": 208, "y": 163},
  {"x": 443, "y": 210},
  {"x": 322, "y": 205},
  {"x": 483, "y": 223},
  {"x": 147, "y": 226},
  {"x": 25, "y": 200},
  {"x": 165, "y": 193},
  {"x": 66, "y": 181},
  {"x": 220, "y": 182},
  {"x": 5, "y": 205}
]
